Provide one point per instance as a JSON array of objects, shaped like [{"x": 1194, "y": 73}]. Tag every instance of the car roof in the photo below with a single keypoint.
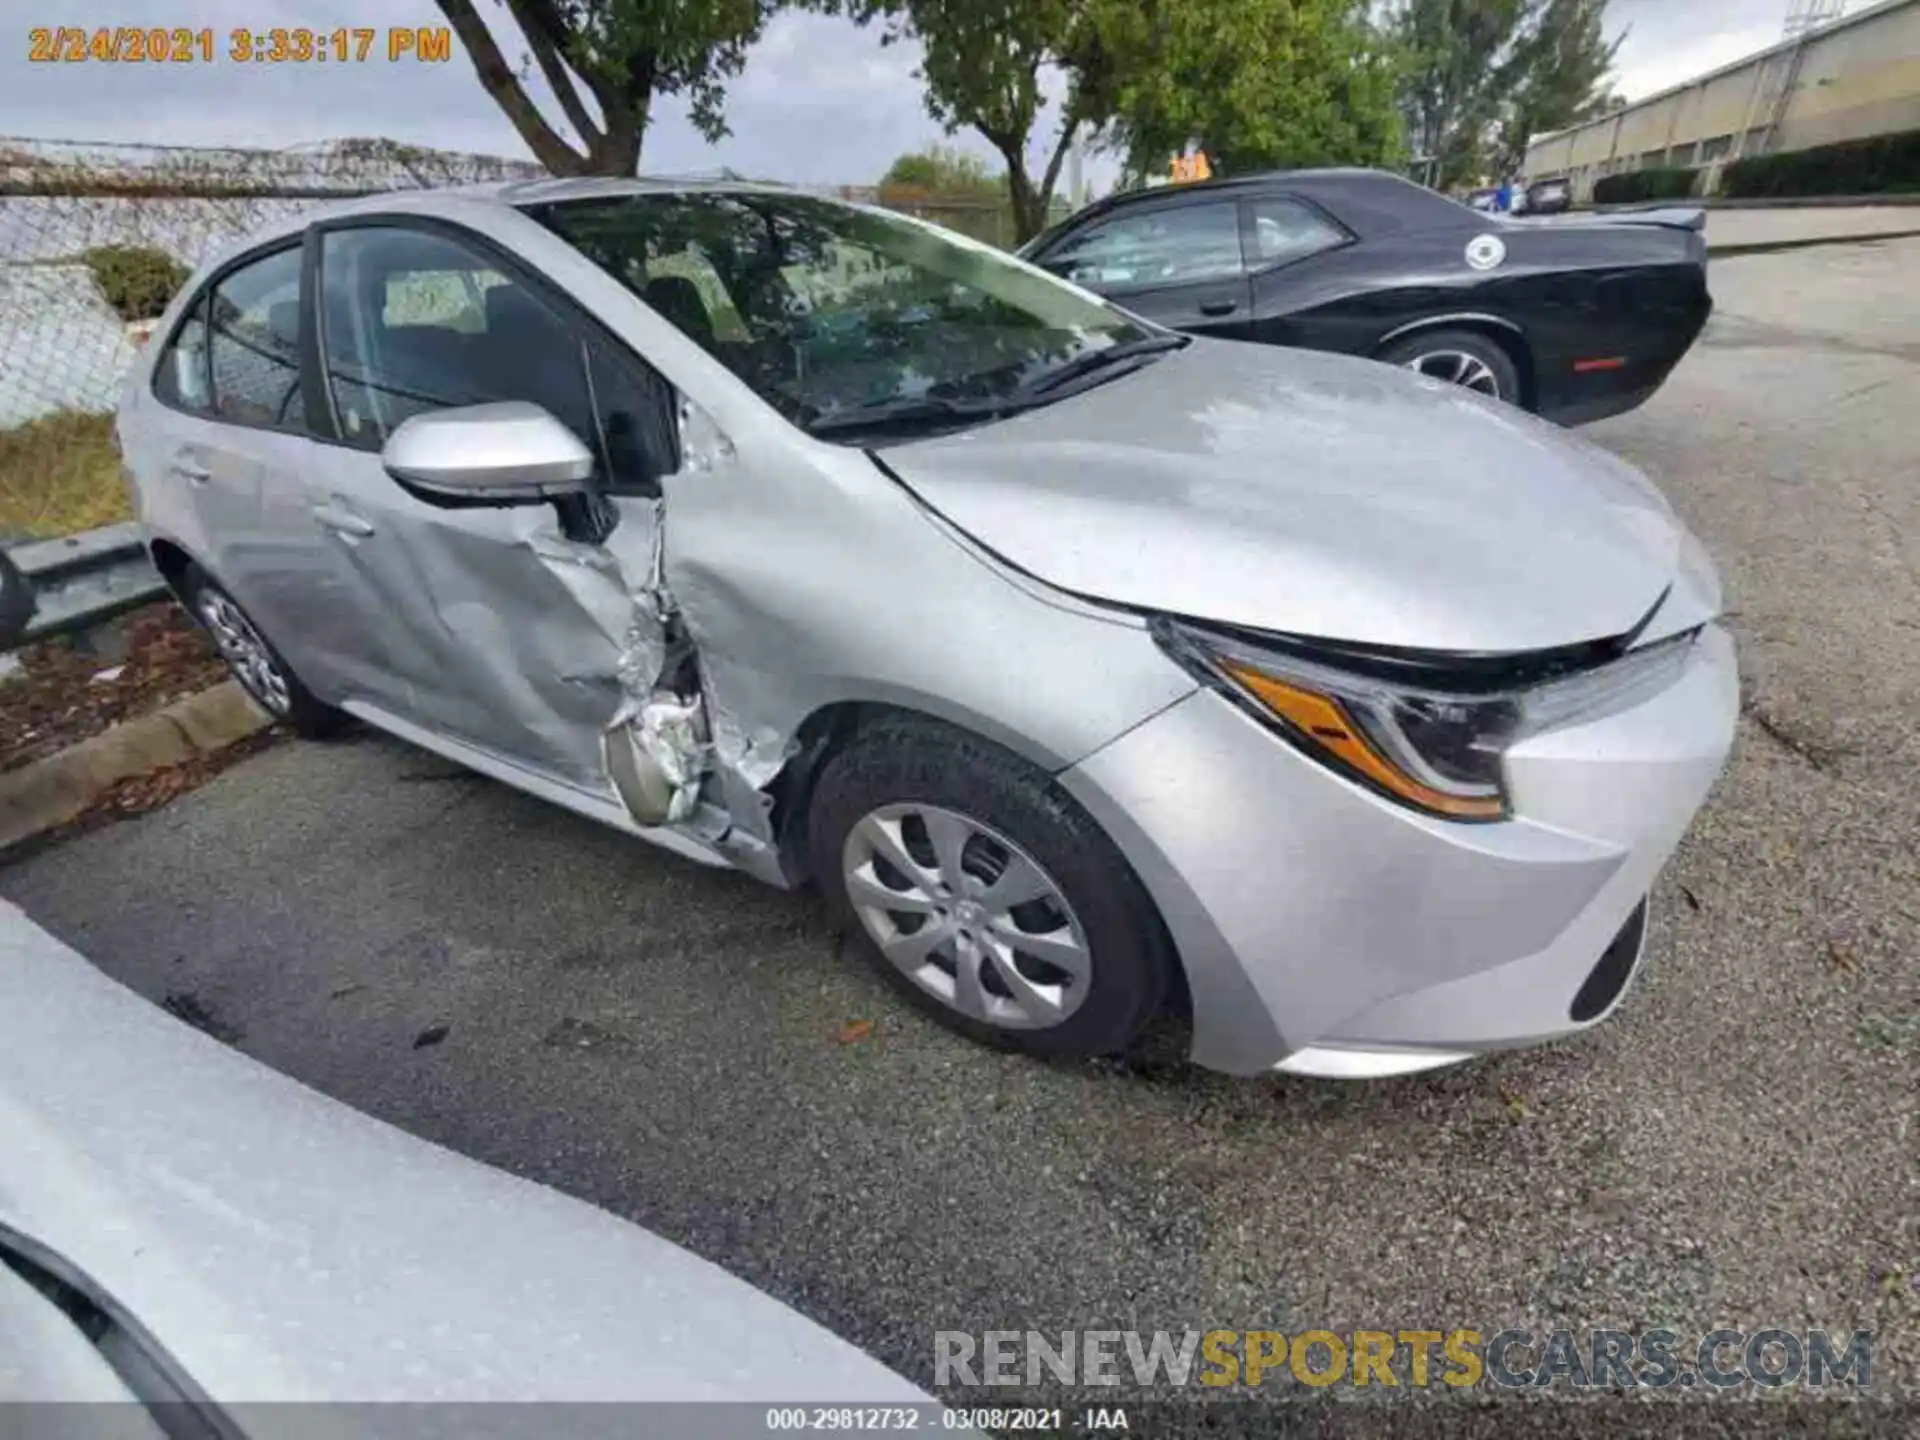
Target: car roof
[
  {"x": 509, "y": 194},
  {"x": 1368, "y": 202}
]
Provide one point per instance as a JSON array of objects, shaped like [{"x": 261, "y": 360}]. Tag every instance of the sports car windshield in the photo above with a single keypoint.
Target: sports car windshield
[{"x": 849, "y": 320}]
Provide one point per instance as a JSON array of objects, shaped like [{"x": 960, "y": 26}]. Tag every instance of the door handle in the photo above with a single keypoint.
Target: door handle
[
  {"x": 342, "y": 522},
  {"x": 186, "y": 469},
  {"x": 1219, "y": 307}
]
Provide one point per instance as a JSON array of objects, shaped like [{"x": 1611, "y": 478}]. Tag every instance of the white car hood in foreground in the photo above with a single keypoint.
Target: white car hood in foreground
[
  {"x": 1314, "y": 494},
  {"x": 281, "y": 1246}
]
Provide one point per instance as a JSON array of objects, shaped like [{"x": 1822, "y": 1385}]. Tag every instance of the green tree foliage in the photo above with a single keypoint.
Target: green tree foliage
[
  {"x": 943, "y": 170},
  {"x": 605, "y": 61},
  {"x": 1479, "y": 76},
  {"x": 986, "y": 65},
  {"x": 1255, "y": 83},
  {"x": 1562, "y": 69}
]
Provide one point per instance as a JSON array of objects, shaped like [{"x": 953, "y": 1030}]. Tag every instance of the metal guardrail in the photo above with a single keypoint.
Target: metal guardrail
[{"x": 81, "y": 580}]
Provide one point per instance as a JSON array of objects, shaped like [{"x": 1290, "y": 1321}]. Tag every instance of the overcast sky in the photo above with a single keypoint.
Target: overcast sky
[{"x": 820, "y": 102}]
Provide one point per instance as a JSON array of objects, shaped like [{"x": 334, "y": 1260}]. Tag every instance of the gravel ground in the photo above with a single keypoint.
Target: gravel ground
[
  {"x": 61, "y": 693},
  {"x": 1737, "y": 1147}
]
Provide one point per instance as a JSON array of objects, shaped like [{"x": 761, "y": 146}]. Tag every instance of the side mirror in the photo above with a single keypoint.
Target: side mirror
[{"x": 509, "y": 453}]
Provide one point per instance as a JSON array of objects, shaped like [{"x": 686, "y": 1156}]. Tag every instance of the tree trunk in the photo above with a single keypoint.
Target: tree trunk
[
  {"x": 617, "y": 155},
  {"x": 499, "y": 81},
  {"x": 1029, "y": 207},
  {"x": 613, "y": 148}
]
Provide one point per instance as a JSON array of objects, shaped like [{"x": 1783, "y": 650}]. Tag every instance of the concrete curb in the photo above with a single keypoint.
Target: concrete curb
[
  {"x": 1712, "y": 203},
  {"x": 1767, "y": 247},
  {"x": 50, "y": 792}
]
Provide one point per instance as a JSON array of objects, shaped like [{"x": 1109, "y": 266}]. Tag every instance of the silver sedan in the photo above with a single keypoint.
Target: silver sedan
[{"x": 1090, "y": 670}]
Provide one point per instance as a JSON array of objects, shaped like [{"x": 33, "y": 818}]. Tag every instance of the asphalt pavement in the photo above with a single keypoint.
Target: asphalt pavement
[{"x": 1737, "y": 1146}]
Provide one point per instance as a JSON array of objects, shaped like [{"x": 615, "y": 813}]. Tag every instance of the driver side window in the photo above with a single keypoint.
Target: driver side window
[
  {"x": 416, "y": 320},
  {"x": 1160, "y": 247}
]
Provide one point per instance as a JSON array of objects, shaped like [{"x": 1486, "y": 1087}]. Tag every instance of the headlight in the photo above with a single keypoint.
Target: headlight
[{"x": 1436, "y": 749}]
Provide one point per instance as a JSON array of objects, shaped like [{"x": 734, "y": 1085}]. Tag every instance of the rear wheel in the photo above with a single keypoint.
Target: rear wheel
[
  {"x": 1461, "y": 357},
  {"x": 258, "y": 667},
  {"x": 984, "y": 893}
]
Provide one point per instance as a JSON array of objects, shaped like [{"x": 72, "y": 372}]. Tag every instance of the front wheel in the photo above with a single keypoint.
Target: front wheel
[
  {"x": 258, "y": 667},
  {"x": 984, "y": 893},
  {"x": 1461, "y": 357}
]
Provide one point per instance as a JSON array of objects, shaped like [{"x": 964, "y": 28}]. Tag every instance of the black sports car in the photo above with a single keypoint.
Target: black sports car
[{"x": 1573, "y": 318}]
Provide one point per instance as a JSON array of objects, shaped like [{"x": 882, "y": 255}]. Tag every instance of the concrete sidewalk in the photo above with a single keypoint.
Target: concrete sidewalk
[{"x": 1733, "y": 230}]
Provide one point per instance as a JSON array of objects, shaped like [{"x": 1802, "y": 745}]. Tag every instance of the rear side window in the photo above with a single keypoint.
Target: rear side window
[
  {"x": 1159, "y": 247},
  {"x": 417, "y": 321},
  {"x": 1284, "y": 230},
  {"x": 181, "y": 378},
  {"x": 253, "y": 329}
]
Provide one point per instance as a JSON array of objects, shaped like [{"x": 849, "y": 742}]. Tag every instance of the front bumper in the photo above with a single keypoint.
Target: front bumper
[{"x": 1326, "y": 930}]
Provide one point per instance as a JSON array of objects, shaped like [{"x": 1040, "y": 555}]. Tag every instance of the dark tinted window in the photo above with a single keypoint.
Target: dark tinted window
[
  {"x": 419, "y": 321},
  {"x": 1285, "y": 230},
  {"x": 1155, "y": 247},
  {"x": 254, "y": 343},
  {"x": 181, "y": 377}
]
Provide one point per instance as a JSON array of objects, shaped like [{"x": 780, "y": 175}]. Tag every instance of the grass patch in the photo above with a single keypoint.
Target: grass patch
[{"x": 59, "y": 474}]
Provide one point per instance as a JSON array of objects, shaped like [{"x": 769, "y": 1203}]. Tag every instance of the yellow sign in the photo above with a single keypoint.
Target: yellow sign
[{"x": 1191, "y": 167}]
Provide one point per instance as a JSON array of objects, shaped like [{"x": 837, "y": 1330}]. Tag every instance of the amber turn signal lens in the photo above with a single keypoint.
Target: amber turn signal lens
[{"x": 1324, "y": 723}]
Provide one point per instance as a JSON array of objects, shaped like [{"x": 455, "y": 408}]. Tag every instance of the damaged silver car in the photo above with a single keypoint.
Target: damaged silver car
[{"x": 1089, "y": 669}]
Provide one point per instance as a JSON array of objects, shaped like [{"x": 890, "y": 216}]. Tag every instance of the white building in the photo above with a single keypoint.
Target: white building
[{"x": 1853, "y": 77}]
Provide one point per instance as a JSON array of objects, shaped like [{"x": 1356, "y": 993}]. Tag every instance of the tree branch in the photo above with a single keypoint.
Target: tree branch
[
  {"x": 499, "y": 81},
  {"x": 547, "y": 38},
  {"x": 1068, "y": 125}
]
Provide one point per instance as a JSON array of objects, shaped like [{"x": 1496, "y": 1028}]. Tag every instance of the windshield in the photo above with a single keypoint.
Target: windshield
[{"x": 833, "y": 313}]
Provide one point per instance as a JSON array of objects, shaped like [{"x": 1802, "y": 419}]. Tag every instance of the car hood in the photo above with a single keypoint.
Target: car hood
[{"x": 1313, "y": 494}]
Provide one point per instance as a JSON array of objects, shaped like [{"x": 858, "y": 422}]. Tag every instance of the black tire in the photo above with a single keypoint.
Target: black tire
[
  {"x": 908, "y": 761},
  {"x": 302, "y": 711},
  {"x": 1484, "y": 348}
]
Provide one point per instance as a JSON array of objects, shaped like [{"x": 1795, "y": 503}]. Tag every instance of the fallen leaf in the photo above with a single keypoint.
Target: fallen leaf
[
  {"x": 854, "y": 1031},
  {"x": 1693, "y": 900},
  {"x": 432, "y": 1035}
]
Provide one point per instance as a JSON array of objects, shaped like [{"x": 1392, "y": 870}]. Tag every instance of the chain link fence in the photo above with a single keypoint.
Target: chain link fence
[{"x": 94, "y": 240}]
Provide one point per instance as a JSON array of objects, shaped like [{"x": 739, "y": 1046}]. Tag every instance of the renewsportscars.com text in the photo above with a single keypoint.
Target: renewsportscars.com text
[{"x": 1511, "y": 1359}]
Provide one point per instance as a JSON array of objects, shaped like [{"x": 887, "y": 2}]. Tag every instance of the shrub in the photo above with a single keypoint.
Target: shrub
[
  {"x": 945, "y": 170},
  {"x": 1634, "y": 185},
  {"x": 136, "y": 280},
  {"x": 1879, "y": 164}
]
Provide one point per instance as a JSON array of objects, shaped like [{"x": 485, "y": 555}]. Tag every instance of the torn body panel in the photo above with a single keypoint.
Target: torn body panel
[
  {"x": 664, "y": 731},
  {"x": 806, "y": 580},
  {"x": 559, "y": 653},
  {"x": 655, "y": 746}
]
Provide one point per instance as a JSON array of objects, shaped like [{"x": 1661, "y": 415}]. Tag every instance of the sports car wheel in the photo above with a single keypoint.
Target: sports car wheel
[
  {"x": 258, "y": 667},
  {"x": 984, "y": 893},
  {"x": 1460, "y": 357}
]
